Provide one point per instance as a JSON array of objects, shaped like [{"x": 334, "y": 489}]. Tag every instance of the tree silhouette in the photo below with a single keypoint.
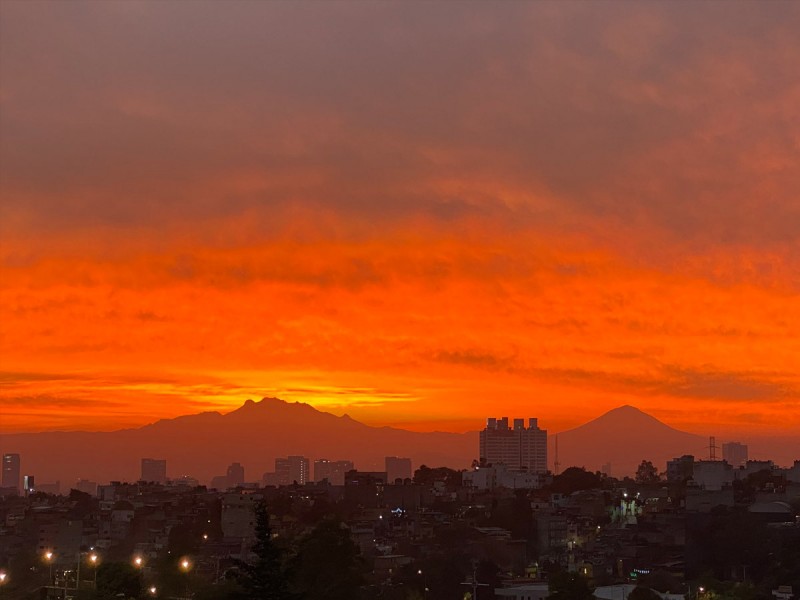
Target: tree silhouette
[
  {"x": 646, "y": 472},
  {"x": 328, "y": 564},
  {"x": 264, "y": 579},
  {"x": 114, "y": 579},
  {"x": 643, "y": 593},
  {"x": 569, "y": 586}
]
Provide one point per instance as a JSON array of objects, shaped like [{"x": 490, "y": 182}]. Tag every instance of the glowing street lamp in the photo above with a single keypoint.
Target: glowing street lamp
[
  {"x": 186, "y": 565},
  {"x": 138, "y": 562},
  {"x": 48, "y": 557},
  {"x": 153, "y": 591},
  {"x": 93, "y": 559},
  {"x": 3, "y": 577}
]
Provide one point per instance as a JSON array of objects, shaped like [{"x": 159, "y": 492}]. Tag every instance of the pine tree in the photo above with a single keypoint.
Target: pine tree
[{"x": 265, "y": 579}]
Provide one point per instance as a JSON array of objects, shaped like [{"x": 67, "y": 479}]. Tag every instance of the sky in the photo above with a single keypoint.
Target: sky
[{"x": 420, "y": 214}]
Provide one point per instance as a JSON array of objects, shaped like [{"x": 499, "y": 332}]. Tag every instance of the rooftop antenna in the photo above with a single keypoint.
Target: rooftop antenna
[{"x": 474, "y": 583}]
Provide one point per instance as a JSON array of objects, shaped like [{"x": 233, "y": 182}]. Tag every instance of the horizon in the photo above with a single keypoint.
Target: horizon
[
  {"x": 260, "y": 431},
  {"x": 266, "y": 398},
  {"x": 407, "y": 215}
]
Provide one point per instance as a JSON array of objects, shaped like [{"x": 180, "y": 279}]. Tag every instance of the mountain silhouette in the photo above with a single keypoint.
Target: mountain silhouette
[
  {"x": 203, "y": 445},
  {"x": 624, "y": 437}
]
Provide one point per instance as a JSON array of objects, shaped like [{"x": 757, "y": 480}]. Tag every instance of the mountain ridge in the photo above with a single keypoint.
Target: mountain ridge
[{"x": 203, "y": 444}]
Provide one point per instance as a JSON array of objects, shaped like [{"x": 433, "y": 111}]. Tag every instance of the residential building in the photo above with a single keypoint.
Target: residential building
[
  {"x": 518, "y": 448},
  {"x": 398, "y": 468},
  {"x": 332, "y": 470},
  {"x": 235, "y": 475},
  {"x": 293, "y": 469},
  {"x": 680, "y": 469},
  {"x": 154, "y": 470},
  {"x": 713, "y": 475},
  {"x": 735, "y": 454},
  {"x": 11, "y": 471}
]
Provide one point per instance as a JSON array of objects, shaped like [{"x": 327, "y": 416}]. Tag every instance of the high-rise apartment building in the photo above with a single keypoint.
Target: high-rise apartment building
[
  {"x": 518, "y": 447},
  {"x": 154, "y": 470},
  {"x": 235, "y": 475},
  {"x": 11, "y": 471},
  {"x": 28, "y": 484},
  {"x": 332, "y": 470},
  {"x": 397, "y": 468},
  {"x": 735, "y": 454},
  {"x": 293, "y": 469}
]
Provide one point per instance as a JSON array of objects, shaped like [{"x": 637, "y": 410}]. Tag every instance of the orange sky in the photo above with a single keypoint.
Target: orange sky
[{"x": 419, "y": 215}]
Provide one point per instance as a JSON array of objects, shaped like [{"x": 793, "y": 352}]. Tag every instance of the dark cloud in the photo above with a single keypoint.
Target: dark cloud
[
  {"x": 142, "y": 114},
  {"x": 733, "y": 386}
]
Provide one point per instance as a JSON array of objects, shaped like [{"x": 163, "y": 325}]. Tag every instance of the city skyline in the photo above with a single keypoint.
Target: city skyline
[
  {"x": 413, "y": 216},
  {"x": 277, "y": 442}
]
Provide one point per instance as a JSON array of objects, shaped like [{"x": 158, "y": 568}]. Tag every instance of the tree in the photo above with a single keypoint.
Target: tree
[
  {"x": 641, "y": 592},
  {"x": 266, "y": 578},
  {"x": 115, "y": 579},
  {"x": 427, "y": 476},
  {"x": 328, "y": 564},
  {"x": 575, "y": 479},
  {"x": 569, "y": 586},
  {"x": 646, "y": 472}
]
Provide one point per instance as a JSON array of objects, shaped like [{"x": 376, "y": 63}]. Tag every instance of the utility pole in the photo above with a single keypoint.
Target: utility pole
[
  {"x": 474, "y": 583},
  {"x": 556, "y": 464}
]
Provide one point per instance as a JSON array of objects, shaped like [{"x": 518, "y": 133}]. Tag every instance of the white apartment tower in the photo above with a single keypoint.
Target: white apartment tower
[
  {"x": 519, "y": 448},
  {"x": 735, "y": 454}
]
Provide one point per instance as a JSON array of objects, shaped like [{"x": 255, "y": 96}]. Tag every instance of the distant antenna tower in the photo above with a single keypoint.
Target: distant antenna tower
[
  {"x": 712, "y": 448},
  {"x": 556, "y": 464}
]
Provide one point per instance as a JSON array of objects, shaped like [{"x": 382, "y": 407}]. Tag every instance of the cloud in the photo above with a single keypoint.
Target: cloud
[
  {"x": 731, "y": 386},
  {"x": 579, "y": 200},
  {"x": 369, "y": 113}
]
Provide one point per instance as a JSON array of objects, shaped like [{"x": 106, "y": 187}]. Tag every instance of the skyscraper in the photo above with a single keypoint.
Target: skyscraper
[
  {"x": 154, "y": 469},
  {"x": 11, "y": 471},
  {"x": 735, "y": 454},
  {"x": 397, "y": 468},
  {"x": 520, "y": 448},
  {"x": 235, "y": 475},
  {"x": 332, "y": 470},
  {"x": 293, "y": 469}
]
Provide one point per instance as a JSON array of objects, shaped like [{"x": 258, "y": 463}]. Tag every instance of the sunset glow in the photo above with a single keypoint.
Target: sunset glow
[{"x": 549, "y": 210}]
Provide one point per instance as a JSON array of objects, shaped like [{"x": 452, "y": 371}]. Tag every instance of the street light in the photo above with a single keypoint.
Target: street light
[
  {"x": 186, "y": 565},
  {"x": 94, "y": 559},
  {"x": 138, "y": 562},
  {"x": 153, "y": 591},
  {"x": 48, "y": 557}
]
